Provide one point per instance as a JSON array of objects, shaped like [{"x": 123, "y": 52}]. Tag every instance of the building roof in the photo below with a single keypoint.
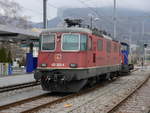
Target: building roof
[{"x": 18, "y": 33}]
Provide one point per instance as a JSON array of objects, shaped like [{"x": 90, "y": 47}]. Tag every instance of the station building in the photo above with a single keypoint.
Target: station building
[{"x": 11, "y": 38}]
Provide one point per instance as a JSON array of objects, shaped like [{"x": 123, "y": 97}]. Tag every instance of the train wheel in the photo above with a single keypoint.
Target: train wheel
[
  {"x": 91, "y": 81},
  {"x": 44, "y": 83},
  {"x": 108, "y": 76}
]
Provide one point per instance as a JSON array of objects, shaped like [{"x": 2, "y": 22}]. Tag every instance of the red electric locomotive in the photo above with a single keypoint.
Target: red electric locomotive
[{"x": 70, "y": 58}]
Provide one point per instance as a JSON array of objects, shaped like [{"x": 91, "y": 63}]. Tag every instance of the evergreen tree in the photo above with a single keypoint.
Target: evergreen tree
[
  {"x": 9, "y": 57},
  {"x": 3, "y": 55}
]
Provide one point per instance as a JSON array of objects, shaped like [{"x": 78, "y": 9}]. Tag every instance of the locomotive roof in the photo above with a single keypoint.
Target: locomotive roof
[
  {"x": 74, "y": 30},
  {"x": 70, "y": 29}
]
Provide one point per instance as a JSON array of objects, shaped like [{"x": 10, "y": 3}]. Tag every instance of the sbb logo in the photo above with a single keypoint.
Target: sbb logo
[{"x": 58, "y": 57}]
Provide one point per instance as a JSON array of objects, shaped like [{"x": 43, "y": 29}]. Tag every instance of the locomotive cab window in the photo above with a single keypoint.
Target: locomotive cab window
[
  {"x": 48, "y": 42},
  {"x": 70, "y": 42},
  {"x": 83, "y": 42}
]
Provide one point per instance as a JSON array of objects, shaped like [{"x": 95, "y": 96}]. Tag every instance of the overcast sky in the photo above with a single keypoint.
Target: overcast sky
[{"x": 33, "y": 8}]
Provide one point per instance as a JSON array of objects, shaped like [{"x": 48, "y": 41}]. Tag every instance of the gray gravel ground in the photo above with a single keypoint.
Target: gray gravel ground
[
  {"x": 16, "y": 95},
  {"x": 29, "y": 105},
  {"x": 102, "y": 99},
  {"x": 139, "y": 102},
  {"x": 18, "y": 79}
]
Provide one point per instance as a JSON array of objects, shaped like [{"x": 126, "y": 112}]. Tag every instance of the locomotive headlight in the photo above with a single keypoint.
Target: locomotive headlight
[
  {"x": 73, "y": 65},
  {"x": 43, "y": 65}
]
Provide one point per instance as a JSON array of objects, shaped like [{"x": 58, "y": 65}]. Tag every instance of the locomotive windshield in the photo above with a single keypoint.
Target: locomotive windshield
[
  {"x": 74, "y": 42},
  {"x": 70, "y": 42},
  {"x": 48, "y": 42}
]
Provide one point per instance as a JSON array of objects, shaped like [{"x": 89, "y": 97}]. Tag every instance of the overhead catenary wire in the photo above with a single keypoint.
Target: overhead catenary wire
[
  {"x": 90, "y": 8},
  {"x": 33, "y": 11},
  {"x": 118, "y": 17},
  {"x": 98, "y": 14},
  {"x": 51, "y": 5},
  {"x": 39, "y": 12},
  {"x": 101, "y": 16},
  {"x": 93, "y": 10}
]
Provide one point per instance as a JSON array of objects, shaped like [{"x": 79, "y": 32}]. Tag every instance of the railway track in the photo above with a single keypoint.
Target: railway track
[
  {"x": 34, "y": 104},
  {"x": 136, "y": 69},
  {"x": 27, "y": 104},
  {"x": 128, "y": 96},
  {"x": 37, "y": 103},
  {"x": 18, "y": 86}
]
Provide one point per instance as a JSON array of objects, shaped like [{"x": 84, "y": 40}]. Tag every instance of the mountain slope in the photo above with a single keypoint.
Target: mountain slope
[{"x": 129, "y": 22}]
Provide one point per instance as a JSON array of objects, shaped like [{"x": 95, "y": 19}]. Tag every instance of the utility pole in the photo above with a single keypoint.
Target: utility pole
[
  {"x": 115, "y": 19},
  {"x": 143, "y": 29},
  {"x": 91, "y": 22},
  {"x": 44, "y": 14},
  {"x": 130, "y": 45},
  {"x": 143, "y": 42}
]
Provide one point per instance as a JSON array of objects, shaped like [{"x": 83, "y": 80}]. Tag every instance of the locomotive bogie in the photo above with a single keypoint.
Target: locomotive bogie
[
  {"x": 76, "y": 74},
  {"x": 65, "y": 79}
]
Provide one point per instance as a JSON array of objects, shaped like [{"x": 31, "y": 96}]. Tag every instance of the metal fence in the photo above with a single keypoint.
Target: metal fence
[{"x": 4, "y": 69}]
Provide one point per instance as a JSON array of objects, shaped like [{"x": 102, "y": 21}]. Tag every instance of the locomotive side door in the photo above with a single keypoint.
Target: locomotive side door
[
  {"x": 94, "y": 52},
  {"x": 108, "y": 52},
  {"x": 91, "y": 53}
]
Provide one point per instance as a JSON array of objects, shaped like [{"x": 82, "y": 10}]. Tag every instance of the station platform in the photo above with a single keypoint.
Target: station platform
[{"x": 17, "y": 79}]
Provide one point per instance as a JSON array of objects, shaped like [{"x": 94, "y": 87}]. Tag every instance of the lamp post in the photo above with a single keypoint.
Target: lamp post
[
  {"x": 91, "y": 20},
  {"x": 44, "y": 14},
  {"x": 145, "y": 46},
  {"x": 115, "y": 18}
]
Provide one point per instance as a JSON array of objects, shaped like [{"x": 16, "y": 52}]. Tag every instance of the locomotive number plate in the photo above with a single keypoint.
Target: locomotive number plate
[{"x": 57, "y": 64}]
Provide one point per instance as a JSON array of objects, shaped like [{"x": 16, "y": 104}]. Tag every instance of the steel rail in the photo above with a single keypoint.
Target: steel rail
[
  {"x": 18, "y": 86},
  {"x": 10, "y": 105},
  {"x": 53, "y": 102},
  {"x": 128, "y": 96},
  {"x": 35, "y": 109},
  {"x": 65, "y": 98}
]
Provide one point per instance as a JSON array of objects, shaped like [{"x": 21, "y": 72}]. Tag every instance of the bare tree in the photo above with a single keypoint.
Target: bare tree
[{"x": 10, "y": 14}]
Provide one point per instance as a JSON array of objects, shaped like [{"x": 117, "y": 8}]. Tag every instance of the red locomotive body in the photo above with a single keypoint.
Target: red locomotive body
[{"x": 69, "y": 58}]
